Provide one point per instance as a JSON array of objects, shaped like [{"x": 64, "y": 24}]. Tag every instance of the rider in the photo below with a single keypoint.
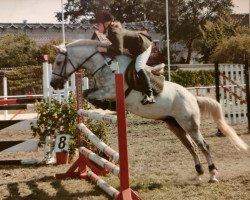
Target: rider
[{"x": 138, "y": 44}]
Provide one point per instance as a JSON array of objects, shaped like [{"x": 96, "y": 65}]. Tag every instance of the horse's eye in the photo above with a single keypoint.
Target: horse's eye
[{"x": 59, "y": 63}]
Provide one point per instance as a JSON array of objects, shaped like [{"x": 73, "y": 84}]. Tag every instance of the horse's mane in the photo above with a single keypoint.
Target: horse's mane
[{"x": 86, "y": 42}]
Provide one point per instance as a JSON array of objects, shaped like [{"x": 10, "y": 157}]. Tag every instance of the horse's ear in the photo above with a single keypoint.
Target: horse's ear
[{"x": 60, "y": 48}]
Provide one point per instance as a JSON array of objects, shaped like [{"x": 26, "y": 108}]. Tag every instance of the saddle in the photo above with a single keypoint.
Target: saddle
[{"x": 154, "y": 73}]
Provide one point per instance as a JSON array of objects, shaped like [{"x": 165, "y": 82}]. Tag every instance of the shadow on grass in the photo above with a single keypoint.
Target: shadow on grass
[
  {"x": 148, "y": 186},
  {"x": 39, "y": 194}
]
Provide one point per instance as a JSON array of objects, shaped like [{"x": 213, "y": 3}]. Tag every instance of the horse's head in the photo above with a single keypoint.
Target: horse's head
[
  {"x": 78, "y": 54},
  {"x": 61, "y": 68}
]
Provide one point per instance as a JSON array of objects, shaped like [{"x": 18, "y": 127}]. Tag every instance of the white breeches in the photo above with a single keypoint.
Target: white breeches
[{"x": 142, "y": 59}]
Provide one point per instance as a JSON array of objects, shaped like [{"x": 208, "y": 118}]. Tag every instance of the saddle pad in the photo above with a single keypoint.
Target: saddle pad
[{"x": 132, "y": 79}]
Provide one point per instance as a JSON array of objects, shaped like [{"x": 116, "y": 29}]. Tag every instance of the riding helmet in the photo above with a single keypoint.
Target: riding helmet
[{"x": 104, "y": 16}]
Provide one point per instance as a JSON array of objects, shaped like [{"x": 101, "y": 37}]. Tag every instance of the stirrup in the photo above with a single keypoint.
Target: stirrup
[{"x": 148, "y": 100}]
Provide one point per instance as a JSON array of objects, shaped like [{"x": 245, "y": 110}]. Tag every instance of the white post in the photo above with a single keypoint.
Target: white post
[
  {"x": 63, "y": 29},
  {"x": 85, "y": 86},
  {"x": 49, "y": 155},
  {"x": 85, "y": 83},
  {"x": 168, "y": 50},
  {"x": 46, "y": 79},
  {"x": 5, "y": 94},
  {"x": 66, "y": 91}
]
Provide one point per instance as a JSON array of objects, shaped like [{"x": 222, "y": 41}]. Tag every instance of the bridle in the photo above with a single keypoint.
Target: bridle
[
  {"x": 106, "y": 63},
  {"x": 63, "y": 74}
]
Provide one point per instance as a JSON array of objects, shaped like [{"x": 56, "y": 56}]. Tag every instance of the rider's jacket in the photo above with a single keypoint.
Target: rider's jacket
[{"x": 136, "y": 42}]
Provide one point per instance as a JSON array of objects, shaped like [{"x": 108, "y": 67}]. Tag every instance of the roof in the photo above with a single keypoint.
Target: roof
[
  {"x": 44, "y": 26},
  {"x": 146, "y": 25},
  {"x": 242, "y": 18}
]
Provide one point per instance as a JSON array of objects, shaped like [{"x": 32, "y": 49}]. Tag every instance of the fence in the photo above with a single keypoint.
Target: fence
[
  {"x": 232, "y": 91},
  {"x": 90, "y": 165}
]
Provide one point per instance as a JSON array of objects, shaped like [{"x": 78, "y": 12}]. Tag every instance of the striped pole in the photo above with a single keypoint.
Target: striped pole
[
  {"x": 19, "y": 162},
  {"x": 102, "y": 184},
  {"x": 17, "y": 106},
  {"x": 98, "y": 143},
  {"x": 19, "y": 101},
  {"x": 115, "y": 170}
]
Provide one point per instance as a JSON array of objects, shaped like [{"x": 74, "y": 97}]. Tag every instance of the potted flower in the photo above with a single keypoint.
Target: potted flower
[{"x": 56, "y": 118}]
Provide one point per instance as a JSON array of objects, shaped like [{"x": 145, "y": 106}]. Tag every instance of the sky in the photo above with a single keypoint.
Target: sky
[{"x": 43, "y": 11}]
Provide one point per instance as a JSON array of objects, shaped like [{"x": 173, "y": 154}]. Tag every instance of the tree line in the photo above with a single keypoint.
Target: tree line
[
  {"x": 20, "y": 50},
  {"x": 204, "y": 26},
  {"x": 25, "y": 57}
]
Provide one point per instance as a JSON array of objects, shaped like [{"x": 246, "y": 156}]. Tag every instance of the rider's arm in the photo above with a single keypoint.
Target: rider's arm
[{"x": 116, "y": 38}]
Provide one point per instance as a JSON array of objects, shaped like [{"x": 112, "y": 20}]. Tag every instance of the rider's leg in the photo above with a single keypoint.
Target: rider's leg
[
  {"x": 149, "y": 97},
  {"x": 140, "y": 63}
]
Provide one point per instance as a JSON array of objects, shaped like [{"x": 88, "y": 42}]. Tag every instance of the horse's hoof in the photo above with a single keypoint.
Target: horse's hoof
[{"x": 213, "y": 180}]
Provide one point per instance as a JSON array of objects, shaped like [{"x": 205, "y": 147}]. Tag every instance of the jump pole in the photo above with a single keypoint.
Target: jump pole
[{"x": 126, "y": 193}]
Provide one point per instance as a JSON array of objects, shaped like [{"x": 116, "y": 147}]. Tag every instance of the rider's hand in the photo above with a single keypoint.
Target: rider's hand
[
  {"x": 102, "y": 49},
  {"x": 126, "y": 52},
  {"x": 106, "y": 43}
]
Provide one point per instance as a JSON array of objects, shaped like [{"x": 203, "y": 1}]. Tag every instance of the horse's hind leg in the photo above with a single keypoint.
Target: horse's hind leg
[
  {"x": 205, "y": 150},
  {"x": 187, "y": 142},
  {"x": 193, "y": 129}
]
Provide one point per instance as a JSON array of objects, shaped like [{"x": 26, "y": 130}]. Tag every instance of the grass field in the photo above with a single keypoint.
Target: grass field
[{"x": 160, "y": 168}]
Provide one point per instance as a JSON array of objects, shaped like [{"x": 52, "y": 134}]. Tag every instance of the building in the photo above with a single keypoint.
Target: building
[{"x": 43, "y": 33}]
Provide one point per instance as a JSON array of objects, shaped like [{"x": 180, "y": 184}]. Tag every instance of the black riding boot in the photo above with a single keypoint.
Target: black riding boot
[{"x": 149, "y": 97}]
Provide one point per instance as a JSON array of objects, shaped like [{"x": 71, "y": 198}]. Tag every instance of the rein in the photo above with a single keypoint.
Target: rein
[
  {"x": 63, "y": 75},
  {"x": 63, "y": 71},
  {"x": 104, "y": 65}
]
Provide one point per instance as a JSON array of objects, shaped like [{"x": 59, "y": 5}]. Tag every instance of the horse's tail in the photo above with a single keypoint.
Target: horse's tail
[{"x": 210, "y": 106}]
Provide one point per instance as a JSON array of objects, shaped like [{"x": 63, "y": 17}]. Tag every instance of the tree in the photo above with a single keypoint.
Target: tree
[
  {"x": 156, "y": 12},
  {"x": 235, "y": 49},
  {"x": 186, "y": 16},
  {"x": 84, "y": 10},
  {"x": 213, "y": 33},
  {"x": 17, "y": 50},
  {"x": 47, "y": 49},
  {"x": 128, "y": 11}
]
